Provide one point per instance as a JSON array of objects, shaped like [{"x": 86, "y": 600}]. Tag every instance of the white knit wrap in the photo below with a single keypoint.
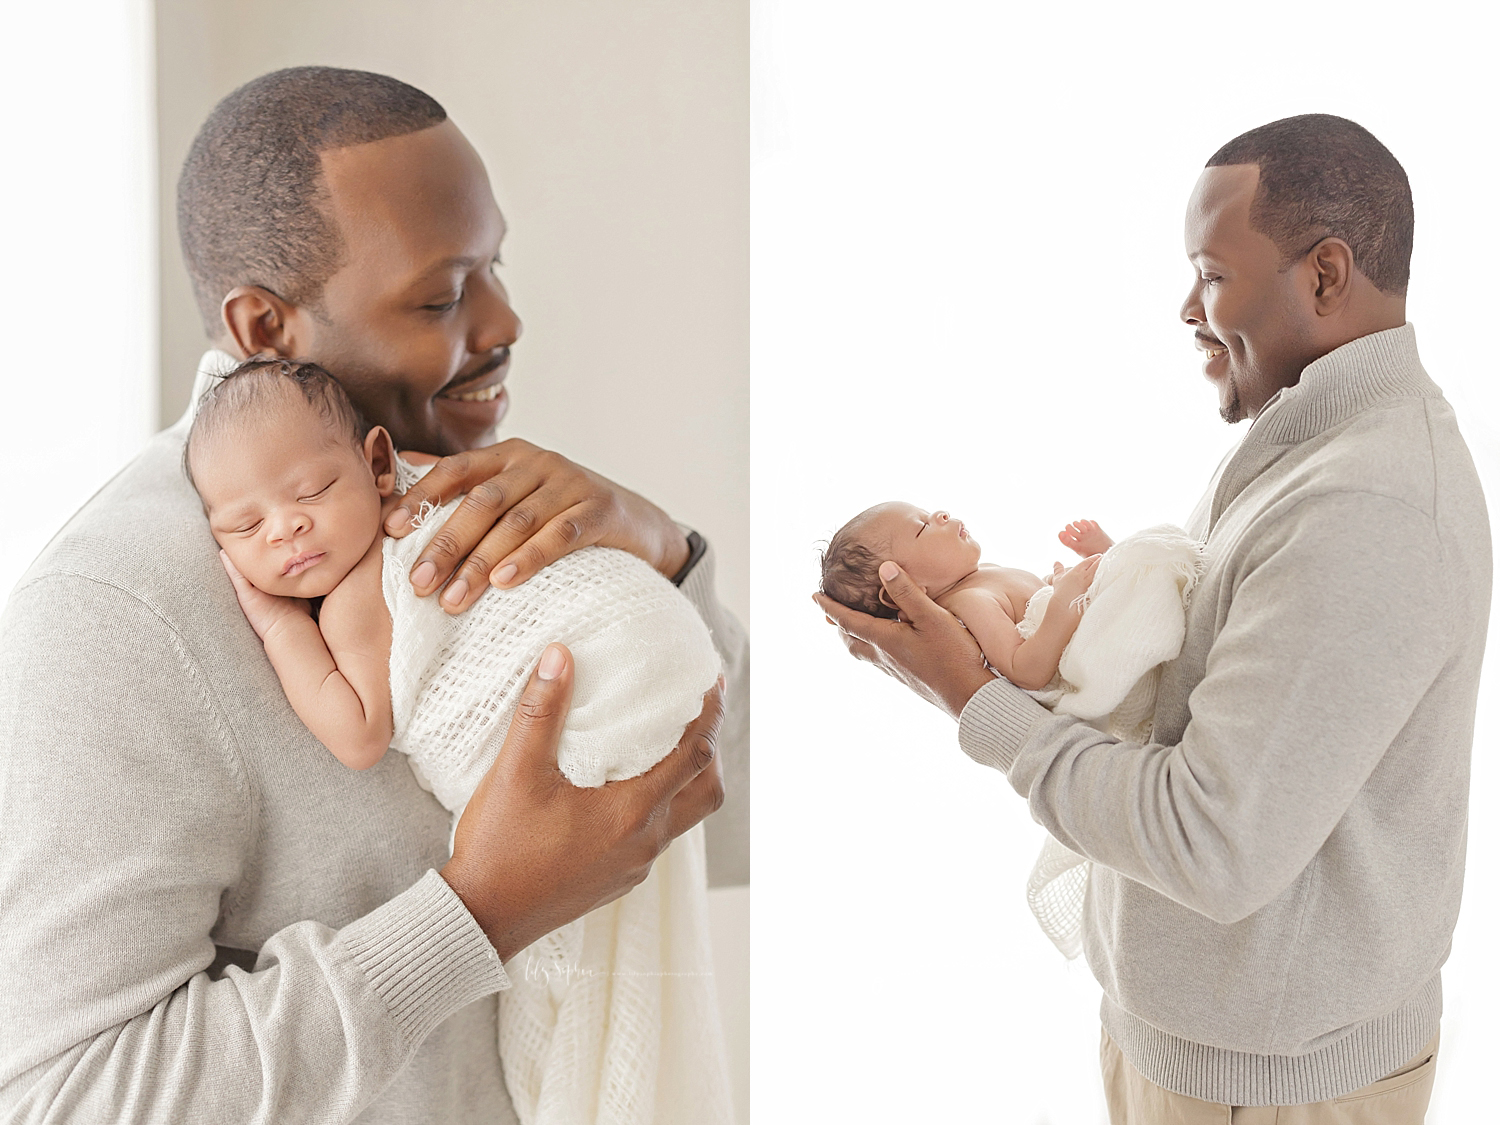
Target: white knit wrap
[
  {"x": 1134, "y": 620},
  {"x": 613, "y": 1018}
]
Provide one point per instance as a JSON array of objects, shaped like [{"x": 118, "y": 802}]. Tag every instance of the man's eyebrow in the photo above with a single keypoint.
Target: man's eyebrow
[{"x": 444, "y": 266}]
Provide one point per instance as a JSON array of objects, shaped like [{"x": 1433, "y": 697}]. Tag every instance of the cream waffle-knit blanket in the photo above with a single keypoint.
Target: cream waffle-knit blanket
[
  {"x": 612, "y": 1018},
  {"x": 1134, "y": 620}
]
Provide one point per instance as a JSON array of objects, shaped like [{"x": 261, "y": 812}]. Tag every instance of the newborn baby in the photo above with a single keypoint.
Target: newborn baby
[
  {"x": 941, "y": 556},
  {"x": 292, "y": 480}
]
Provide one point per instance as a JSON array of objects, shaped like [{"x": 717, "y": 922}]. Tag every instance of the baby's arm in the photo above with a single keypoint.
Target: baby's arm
[
  {"x": 337, "y": 677},
  {"x": 1029, "y": 663}
]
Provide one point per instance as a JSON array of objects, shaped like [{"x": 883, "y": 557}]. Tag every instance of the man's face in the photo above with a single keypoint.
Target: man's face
[
  {"x": 415, "y": 323},
  {"x": 1252, "y": 318}
]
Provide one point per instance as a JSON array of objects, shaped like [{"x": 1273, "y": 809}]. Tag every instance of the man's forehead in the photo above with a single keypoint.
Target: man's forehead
[
  {"x": 412, "y": 205},
  {"x": 1220, "y": 205}
]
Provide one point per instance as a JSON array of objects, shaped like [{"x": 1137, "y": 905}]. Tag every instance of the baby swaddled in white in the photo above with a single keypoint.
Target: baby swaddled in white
[
  {"x": 1133, "y": 621},
  {"x": 612, "y": 1018}
]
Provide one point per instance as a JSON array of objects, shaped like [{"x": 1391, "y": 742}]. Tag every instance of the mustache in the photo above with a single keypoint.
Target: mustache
[{"x": 496, "y": 360}]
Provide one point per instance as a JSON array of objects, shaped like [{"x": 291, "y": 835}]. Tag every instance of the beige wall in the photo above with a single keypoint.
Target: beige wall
[{"x": 617, "y": 139}]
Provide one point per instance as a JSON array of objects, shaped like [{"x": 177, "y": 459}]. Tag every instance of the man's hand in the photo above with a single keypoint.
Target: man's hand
[
  {"x": 532, "y": 851},
  {"x": 929, "y": 651},
  {"x": 264, "y": 611},
  {"x": 523, "y": 508}
]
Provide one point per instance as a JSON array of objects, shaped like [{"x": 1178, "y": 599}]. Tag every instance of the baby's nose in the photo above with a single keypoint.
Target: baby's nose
[{"x": 941, "y": 517}]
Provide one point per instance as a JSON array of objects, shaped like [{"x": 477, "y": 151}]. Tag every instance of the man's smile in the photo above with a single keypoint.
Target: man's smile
[{"x": 482, "y": 385}]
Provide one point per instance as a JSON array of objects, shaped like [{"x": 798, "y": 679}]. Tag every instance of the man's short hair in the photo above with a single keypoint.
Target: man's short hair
[
  {"x": 251, "y": 198},
  {"x": 263, "y": 383},
  {"x": 1323, "y": 176}
]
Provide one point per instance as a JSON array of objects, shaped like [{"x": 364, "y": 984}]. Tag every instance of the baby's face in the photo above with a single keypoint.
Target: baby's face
[
  {"x": 933, "y": 547},
  {"x": 291, "y": 501}
]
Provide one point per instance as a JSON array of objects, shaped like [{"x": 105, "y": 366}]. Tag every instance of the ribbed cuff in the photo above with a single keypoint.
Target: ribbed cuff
[
  {"x": 425, "y": 955},
  {"x": 995, "y": 722}
]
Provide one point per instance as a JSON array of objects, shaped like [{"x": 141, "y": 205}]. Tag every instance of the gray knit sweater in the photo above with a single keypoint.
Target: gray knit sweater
[
  {"x": 168, "y": 825},
  {"x": 1277, "y": 875}
]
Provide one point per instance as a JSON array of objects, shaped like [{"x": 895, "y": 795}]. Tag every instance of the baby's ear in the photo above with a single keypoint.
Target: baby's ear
[
  {"x": 885, "y": 599},
  {"x": 380, "y": 452}
]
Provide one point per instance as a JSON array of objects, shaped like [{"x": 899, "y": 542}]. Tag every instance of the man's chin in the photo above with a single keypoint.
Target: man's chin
[
  {"x": 1230, "y": 407},
  {"x": 459, "y": 426}
]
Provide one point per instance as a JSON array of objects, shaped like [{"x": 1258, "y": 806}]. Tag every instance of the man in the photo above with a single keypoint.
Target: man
[
  {"x": 203, "y": 915},
  {"x": 1277, "y": 874}
]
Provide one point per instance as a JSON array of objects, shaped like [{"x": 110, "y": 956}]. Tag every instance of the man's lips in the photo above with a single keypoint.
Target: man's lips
[
  {"x": 1211, "y": 348},
  {"x": 482, "y": 385},
  {"x": 298, "y": 563}
]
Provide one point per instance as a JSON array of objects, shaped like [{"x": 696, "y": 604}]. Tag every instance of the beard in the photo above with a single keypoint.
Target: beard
[{"x": 1233, "y": 411}]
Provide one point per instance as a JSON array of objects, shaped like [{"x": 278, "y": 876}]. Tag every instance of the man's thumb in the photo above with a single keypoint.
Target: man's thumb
[
  {"x": 902, "y": 590},
  {"x": 538, "y": 723}
]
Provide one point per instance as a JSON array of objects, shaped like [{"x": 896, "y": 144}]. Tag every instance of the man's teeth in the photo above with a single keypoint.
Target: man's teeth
[
  {"x": 486, "y": 394},
  {"x": 1215, "y": 353}
]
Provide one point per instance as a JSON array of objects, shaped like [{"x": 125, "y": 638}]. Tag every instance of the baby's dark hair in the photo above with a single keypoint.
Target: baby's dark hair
[
  {"x": 851, "y": 571},
  {"x": 256, "y": 385}
]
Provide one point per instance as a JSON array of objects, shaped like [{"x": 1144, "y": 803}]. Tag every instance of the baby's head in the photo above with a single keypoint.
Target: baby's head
[
  {"x": 291, "y": 476},
  {"x": 932, "y": 547}
]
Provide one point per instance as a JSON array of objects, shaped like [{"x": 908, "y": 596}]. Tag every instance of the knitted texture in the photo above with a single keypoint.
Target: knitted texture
[
  {"x": 612, "y": 1018},
  {"x": 1134, "y": 619}
]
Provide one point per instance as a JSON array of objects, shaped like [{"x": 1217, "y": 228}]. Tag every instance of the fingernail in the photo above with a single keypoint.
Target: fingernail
[
  {"x": 398, "y": 519},
  {"x": 424, "y": 574},
  {"x": 504, "y": 575},
  {"x": 552, "y": 664},
  {"x": 457, "y": 592},
  {"x": 889, "y": 570}
]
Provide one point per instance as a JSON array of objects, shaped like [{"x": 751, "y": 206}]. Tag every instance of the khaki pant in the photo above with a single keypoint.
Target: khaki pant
[{"x": 1400, "y": 1098}]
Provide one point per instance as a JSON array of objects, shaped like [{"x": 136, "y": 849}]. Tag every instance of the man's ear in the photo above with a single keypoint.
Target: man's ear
[
  {"x": 261, "y": 323},
  {"x": 1332, "y": 264},
  {"x": 380, "y": 452}
]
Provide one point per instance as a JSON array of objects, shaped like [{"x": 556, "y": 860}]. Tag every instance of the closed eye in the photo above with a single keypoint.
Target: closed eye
[
  {"x": 317, "y": 494},
  {"x": 247, "y": 530}
]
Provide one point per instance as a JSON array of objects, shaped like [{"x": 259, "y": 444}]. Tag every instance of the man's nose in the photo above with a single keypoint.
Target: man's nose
[
  {"x": 495, "y": 324},
  {"x": 1192, "y": 309}
]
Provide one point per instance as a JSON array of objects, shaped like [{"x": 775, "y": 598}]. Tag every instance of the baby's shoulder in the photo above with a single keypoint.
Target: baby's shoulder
[{"x": 979, "y": 595}]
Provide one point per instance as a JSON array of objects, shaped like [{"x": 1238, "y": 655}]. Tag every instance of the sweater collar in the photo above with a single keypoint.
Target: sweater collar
[
  {"x": 1374, "y": 368},
  {"x": 214, "y": 365}
]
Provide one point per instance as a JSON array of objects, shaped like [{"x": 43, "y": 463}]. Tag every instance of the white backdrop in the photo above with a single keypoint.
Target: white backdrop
[
  {"x": 79, "y": 248},
  {"x": 967, "y": 266}
]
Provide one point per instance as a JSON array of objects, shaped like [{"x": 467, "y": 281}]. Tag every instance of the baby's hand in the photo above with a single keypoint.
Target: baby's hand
[
  {"x": 1085, "y": 537},
  {"x": 262, "y": 610},
  {"x": 1073, "y": 583}
]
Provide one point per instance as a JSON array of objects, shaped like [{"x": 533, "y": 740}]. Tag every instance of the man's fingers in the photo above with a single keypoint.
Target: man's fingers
[
  {"x": 694, "y": 753},
  {"x": 567, "y": 530},
  {"x": 697, "y": 799},
  {"x": 531, "y": 741},
  {"x": 472, "y": 530},
  {"x": 442, "y": 482},
  {"x": 853, "y": 622}
]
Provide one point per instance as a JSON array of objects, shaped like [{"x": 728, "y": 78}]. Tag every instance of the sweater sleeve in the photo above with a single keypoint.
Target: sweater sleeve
[
  {"x": 1332, "y": 637},
  {"x": 728, "y": 830},
  {"x": 127, "y": 819}
]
